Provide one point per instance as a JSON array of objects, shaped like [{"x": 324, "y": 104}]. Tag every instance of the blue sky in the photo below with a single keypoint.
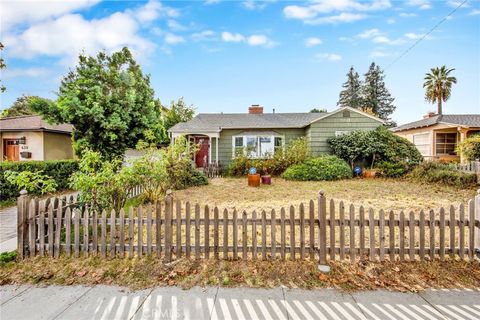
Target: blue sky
[{"x": 222, "y": 56}]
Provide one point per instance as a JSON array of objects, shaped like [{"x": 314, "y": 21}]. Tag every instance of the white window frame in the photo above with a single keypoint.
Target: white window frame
[{"x": 257, "y": 136}]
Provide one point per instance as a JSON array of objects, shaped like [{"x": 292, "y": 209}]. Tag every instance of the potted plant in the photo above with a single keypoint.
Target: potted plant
[
  {"x": 266, "y": 178},
  {"x": 253, "y": 177}
]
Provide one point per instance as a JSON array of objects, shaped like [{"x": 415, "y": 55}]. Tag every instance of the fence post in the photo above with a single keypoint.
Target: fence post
[
  {"x": 322, "y": 218},
  {"x": 477, "y": 220},
  {"x": 168, "y": 225},
  {"x": 22, "y": 217}
]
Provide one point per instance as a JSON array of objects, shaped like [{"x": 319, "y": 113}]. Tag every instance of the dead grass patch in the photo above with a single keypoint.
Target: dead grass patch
[{"x": 149, "y": 272}]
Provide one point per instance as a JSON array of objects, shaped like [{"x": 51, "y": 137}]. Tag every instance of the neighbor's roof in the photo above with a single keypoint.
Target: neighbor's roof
[
  {"x": 467, "y": 120},
  {"x": 32, "y": 123},
  {"x": 216, "y": 122}
]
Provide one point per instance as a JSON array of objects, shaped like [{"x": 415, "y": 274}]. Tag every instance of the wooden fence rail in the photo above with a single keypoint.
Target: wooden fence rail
[{"x": 321, "y": 230}]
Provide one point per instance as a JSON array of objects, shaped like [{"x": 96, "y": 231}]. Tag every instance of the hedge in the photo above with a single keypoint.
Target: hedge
[
  {"x": 317, "y": 169},
  {"x": 59, "y": 170}
]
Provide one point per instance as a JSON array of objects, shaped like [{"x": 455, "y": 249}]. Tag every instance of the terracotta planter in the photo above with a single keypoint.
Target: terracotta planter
[
  {"x": 254, "y": 180},
  {"x": 370, "y": 173},
  {"x": 266, "y": 180}
]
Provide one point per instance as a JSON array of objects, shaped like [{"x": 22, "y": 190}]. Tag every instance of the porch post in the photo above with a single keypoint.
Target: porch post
[
  {"x": 216, "y": 149},
  {"x": 463, "y": 136},
  {"x": 209, "y": 149}
]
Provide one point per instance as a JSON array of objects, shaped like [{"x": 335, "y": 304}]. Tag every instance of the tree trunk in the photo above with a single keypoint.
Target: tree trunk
[{"x": 439, "y": 107}]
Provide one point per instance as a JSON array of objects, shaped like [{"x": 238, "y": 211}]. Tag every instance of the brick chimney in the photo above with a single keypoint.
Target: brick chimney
[
  {"x": 429, "y": 115},
  {"x": 255, "y": 109}
]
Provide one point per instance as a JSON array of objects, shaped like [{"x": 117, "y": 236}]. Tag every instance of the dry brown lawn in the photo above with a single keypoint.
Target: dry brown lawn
[{"x": 387, "y": 194}]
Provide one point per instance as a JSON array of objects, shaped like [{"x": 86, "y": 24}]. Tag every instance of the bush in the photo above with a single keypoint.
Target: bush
[
  {"x": 378, "y": 147},
  {"x": 295, "y": 152},
  {"x": 470, "y": 148},
  {"x": 58, "y": 170},
  {"x": 6, "y": 257},
  {"x": 321, "y": 168},
  {"x": 33, "y": 182},
  {"x": 434, "y": 172}
]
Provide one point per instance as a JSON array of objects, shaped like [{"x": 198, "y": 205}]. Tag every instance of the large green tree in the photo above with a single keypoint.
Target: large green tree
[
  {"x": 351, "y": 95},
  {"x": 2, "y": 66},
  {"x": 176, "y": 113},
  {"x": 109, "y": 102},
  {"x": 438, "y": 86},
  {"x": 21, "y": 107},
  {"x": 376, "y": 95}
]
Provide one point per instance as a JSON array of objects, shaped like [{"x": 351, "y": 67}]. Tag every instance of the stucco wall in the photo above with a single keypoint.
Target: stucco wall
[
  {"x": 320, "y": 131},
  {"x": 57, "y": 146},
  {"x": 34, "y": 143}
]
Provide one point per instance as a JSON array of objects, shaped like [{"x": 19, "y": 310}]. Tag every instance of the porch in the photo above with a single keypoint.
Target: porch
[{"x": 207, "y": 142}]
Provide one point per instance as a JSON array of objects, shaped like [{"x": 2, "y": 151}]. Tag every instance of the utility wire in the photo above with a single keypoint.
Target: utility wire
[{"x": 426, "y": 34}]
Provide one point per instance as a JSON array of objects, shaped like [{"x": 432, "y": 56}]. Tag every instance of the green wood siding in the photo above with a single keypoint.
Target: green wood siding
[
  {"x": 320, "y": 131},
  {"x": 225, "y": 142}
]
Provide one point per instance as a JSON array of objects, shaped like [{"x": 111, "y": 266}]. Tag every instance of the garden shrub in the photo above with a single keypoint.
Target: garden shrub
[
  {"x": 6, "y": 257},
  {"x": 59, "y": 170},
  {"x": 378, "y": 147},
  {"x": 470, "y": 147},
  {"x": 321, "y": 168},
  {"x": 295, "y": 152},
  {"x": 33, "y": 182},
  {"x": 434, "y": 172}
]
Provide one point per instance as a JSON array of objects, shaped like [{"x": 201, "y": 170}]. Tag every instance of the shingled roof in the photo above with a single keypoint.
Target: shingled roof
[
  {"x": 467, "y": 120},
  {"x": 215, "y": 122},
  {"x": 32, "y": 123}
]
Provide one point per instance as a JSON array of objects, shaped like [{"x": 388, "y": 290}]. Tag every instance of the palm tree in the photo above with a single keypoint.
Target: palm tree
[{"x": 438, "y": 86}]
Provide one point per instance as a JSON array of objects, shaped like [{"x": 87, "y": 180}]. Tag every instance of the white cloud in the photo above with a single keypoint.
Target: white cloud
[
  {"x": 175, "y": 25},
  {"x": 27, "y": 72},
  {"x": 206, "y": 35},
  {"x": 209, "y": 2},
  {"x": 456, "y": 3},
  {"x": 341, "y": 18},
  {"x": 173, "y": 39},
  {"x": 231, "y": 37},
  {"x": 328, "y": 56},
  {"x": 391, "y": 21},
  {"x": 416, "y": 36},
  {"x": 310, "y": 42},
  {"x": 256, "y": 4},
  {"x": 19, "y": 12},
  {"x": 252, "y": 40},
  {"x": 378, "y": 54},
  {"x": 312, "y": 13},
  {"x": 421, "y": 4},
  {"x": 370, "y": 33},
  {"x": 474, "y": 12},
  {"x": 69, "y": 34},
  {"x": 386, "y": 40},
  {"x": 407, "y": 14}
]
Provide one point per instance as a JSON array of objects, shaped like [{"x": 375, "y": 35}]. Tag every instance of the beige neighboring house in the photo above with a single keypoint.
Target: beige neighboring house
[
  {"x": 436, "y": 136},
  {"x": 32, "y": 138}
]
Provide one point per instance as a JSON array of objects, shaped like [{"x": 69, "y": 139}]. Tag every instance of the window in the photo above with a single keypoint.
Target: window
[
  {"x": 340, "y": 133},
  {"x": 278, "y": 143},
  {"x": 257, "y": 146},
  {"x": 445, "y": 143},
  {"x": 422, "y": 142}
]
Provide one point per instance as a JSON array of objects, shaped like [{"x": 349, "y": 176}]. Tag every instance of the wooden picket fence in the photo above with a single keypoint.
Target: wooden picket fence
[{"x": 171, "y": 229}]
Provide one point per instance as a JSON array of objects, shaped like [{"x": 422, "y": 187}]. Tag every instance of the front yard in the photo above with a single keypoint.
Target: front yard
[{"x": 387, "y": 194}]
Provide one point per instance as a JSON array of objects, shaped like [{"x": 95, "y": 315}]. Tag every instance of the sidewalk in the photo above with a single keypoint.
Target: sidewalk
[
  {"x": 8, "y": 229},
  {"x": 108, "y": 302}
]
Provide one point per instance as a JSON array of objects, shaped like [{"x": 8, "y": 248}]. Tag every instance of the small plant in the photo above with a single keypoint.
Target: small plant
[
  {"x": 321, "y": 168},
  {"x": 6, "y": 257},
  {"x": 470, "y": 148},
  {"x": 33, "y": 182},
  {"x": 434, "y": 172}
]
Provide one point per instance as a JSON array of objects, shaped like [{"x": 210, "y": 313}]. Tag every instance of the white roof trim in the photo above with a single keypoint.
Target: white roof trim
[{"x": 350, "y": 109}]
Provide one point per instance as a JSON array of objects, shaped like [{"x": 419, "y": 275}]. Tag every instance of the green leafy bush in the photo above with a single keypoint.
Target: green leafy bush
[
  {"x": 470, "y": 148},
  {"x": 58, "y": 170},
  {"x": 434, "y": 172},
  {"x": 33, "y": 182},
  {"x": 295, "y": 152},
  {"x": 379, "y": 146},
  {"x": 321, "y": 168},
  {"x": 8, "y": 256}
]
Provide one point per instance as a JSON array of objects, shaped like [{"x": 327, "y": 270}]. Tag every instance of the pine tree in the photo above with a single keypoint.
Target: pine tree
[
  {"x": 350, "y": 96},
  {"x": 375, "y": 95}
]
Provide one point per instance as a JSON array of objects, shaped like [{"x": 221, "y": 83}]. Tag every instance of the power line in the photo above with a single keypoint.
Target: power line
[{"x": 426, "y": 34}]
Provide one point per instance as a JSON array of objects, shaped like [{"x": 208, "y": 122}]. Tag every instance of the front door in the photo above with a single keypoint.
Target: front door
[
  {"x": 201, "y": 157},
  {"x": 11, "y": 150}
]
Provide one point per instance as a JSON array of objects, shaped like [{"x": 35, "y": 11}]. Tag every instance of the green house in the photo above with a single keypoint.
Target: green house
[{"x": 221, "y": 136}]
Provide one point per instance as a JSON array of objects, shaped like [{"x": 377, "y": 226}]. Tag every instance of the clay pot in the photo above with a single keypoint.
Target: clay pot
[
  {"x": 370, "y": 173},
  {"x": 266, "y": 180},
  {"x": 254, "y": 180}
]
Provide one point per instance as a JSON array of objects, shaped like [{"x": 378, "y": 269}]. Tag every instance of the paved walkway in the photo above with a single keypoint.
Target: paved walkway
[
  {"x": 108, "y": 302},
  {"x": 8, "y": 229}
]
